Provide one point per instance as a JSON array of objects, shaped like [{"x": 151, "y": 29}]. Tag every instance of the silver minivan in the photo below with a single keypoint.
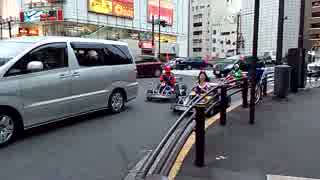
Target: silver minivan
[{"x": 47, "y": 79}]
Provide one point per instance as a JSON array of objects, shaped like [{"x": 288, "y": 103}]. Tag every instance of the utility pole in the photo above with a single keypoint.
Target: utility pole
[
  {"x": 255, "y": 57},
  {"x": 238, "y": 33},
  {"x": 301, "y": 28},
  {"x": 280, "y": 32},
  {"x": 189, "y": 16},
  {"x": 9, "y": 26},
  {"x": 1, "y": 33},
  {"x": 153, "y": 32},
  {"x": 159, "y": 31}
]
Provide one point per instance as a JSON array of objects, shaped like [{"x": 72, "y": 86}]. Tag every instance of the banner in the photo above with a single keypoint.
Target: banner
[
  {"x": 121, "y": 8},
  {"x": 166, "y": 10}
]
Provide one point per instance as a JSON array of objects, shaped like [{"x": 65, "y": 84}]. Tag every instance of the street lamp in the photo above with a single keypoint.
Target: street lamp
[{"x": 1, "y": 22}]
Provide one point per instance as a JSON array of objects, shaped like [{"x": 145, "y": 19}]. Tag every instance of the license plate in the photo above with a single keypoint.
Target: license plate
[
  {"x": 217, "y": 72},
  {"x": 181, "y": 108}
]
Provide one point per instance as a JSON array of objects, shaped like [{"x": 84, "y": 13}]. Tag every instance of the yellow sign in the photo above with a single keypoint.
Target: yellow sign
[{"x": 100, "y": 6}]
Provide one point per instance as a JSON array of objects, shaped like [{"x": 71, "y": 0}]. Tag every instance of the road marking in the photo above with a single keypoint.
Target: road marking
[
  {"x": 277, "y": 177},
  {"x": 191, "y": 140}
]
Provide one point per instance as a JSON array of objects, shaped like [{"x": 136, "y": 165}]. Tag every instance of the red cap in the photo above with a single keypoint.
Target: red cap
[{"x": 167, "y": 69}]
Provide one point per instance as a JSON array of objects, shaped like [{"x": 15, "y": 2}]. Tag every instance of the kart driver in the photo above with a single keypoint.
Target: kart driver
[
  {"x": 236, "y": 74},
  {"x": 203, "y": 83},
  {"x": 167, "y": 78}
]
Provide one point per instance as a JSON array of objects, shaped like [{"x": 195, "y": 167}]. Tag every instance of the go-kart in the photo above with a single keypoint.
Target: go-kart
[
  {"x": 184, "y": 102},
  {"x": 164, "y": 91}
]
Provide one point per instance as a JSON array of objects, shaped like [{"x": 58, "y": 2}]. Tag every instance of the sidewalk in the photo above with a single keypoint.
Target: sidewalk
[{"x": 284, "y": 141}]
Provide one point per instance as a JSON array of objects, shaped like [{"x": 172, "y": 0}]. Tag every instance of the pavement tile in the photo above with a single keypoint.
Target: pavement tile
[{"x": 283, "y": 141}]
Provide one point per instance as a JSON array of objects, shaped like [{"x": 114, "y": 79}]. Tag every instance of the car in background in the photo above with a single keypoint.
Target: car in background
[
  {"x": 191, "y": 63},
  {"x": 148, "y": 66},
  {"x": 223, "y": 66},
  {"x": 270, "y": 57}
]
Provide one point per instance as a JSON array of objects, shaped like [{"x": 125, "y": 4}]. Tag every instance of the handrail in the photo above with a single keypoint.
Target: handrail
[{"x": 158, "y": 149}]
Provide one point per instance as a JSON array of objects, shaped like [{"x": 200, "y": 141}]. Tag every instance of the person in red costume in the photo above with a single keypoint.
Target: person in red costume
[{"x": 167, "y": 79}]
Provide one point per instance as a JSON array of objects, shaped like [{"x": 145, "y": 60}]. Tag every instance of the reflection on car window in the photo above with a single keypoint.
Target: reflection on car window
[
  {"x": 98, "y": 54},
  {"x": 53, "y": 56}
]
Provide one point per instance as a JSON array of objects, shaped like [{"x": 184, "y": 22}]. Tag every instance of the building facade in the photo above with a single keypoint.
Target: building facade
[
  {"x": 213, "y": 27},
  {"x": 268, "y": 26},
  {"x": 122, "y": 20},
  {"x": 312, "y": 25}
]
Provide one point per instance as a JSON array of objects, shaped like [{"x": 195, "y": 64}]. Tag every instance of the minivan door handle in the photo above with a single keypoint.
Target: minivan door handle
[
  {"x": 64, "y": 76},
  {"x": 76, "y": 74}
]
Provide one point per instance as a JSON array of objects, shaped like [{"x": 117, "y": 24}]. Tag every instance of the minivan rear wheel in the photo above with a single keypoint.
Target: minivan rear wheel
[
  {"x": 116, "y": 101},
  {"x": 8, "y": 128}
]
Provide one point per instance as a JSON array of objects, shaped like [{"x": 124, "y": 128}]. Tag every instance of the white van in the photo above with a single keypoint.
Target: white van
[{"x": 52, "y": 78}]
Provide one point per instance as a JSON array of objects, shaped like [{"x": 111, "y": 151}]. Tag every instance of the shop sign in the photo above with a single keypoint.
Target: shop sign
[
  {"x": 166, "y": 10},
  {"x": 145, "y": 45},
  {"x": 121, "y": 8},
  {"x": 28, "y": 32},
  {"x": 41, "y": 15}
]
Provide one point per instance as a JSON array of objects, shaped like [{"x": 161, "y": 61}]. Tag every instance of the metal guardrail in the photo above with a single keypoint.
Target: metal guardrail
[{"x": 161, "y": 159}]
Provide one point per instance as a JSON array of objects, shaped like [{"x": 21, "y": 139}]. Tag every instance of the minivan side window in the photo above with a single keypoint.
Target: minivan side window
[
  {"x": 53, "y": 56},
  {"x": 99, "y": 54}
]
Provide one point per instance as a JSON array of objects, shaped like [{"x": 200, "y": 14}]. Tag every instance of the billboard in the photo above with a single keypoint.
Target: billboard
[
  {"x": 166, "y": 10},
  {"x": 121, "y": 8}
]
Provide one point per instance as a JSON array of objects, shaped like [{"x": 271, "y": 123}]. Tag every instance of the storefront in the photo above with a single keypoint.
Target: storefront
[{"x": 108, "y": 19}]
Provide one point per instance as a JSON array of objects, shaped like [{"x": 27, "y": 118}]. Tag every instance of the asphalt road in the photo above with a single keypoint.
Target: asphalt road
[{"x": 100, "y": 146}]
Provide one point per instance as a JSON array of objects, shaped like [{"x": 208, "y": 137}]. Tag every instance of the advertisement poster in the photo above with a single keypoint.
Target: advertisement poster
[
  {"x": 166, "y": 10},
  {"x": 121, "y": 8}
]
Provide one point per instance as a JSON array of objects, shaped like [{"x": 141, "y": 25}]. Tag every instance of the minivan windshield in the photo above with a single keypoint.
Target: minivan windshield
[{"x": 10, "y": 49}]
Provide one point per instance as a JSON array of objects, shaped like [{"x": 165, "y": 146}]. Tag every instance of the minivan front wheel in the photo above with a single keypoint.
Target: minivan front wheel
[
  {"x": 8, "y": 128},
  {"x": 116, "y": 102}
]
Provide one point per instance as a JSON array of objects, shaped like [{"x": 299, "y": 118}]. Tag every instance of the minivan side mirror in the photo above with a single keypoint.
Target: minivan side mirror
[{"x": 35, "y": 66}]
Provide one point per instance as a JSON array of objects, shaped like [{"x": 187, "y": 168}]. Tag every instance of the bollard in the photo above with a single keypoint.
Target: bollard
[
  {"x": 200, "y": 135},
  {"x": 223, "y": 104},
  {"x": 265, "y": 86},
  {"x": 245, "y": 93}
]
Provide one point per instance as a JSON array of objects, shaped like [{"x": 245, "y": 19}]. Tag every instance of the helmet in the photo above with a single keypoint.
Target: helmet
[
  {"x": 167, "y": 69},
  {"x": 236, "y": 66}
]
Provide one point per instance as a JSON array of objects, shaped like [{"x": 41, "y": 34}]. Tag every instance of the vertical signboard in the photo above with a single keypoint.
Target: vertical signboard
[{"x": 166, "y": 10}]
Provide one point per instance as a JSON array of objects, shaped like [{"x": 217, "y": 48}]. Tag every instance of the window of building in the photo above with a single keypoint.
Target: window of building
[
  {"x": 197, "y": 49},
  {"x": 221, "y": 42},
  {"x": 228, "y": 42},
  {"x": 197, "y": 40},
  {"x": 222, "y": 50},
  {"x": 214, "y": 40},
  {"x": 233, "y": 32},
  {"x": 214, "y": 31},
  {"x": 315, "y": 3},
  {"x": 316, "y": 14},
  {"x": 225, "y": 33},
  {"x": 315, "y": 25},
  {"x": 197, "y": 33},
  {"x": 234, "y": 43},
  {"x": 53, "y": 56},
  {"x": 199, "y": 24},
  {"x": 214, "y": 49}
]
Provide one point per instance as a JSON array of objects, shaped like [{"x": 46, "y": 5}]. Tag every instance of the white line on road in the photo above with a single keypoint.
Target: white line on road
[{"x": 278, "y": 177}]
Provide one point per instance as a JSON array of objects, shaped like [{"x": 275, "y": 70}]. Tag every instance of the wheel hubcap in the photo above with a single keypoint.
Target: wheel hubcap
[
  {"x": 117, "y": 101},
  {"x": 6, "y": 128}
]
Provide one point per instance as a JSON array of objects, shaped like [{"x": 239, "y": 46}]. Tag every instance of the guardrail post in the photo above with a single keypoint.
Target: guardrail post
[
  {"x": 265, "y": 86},
  {"x": 223, "y": 104},
  {"x": 245, "y": 93},
  {"x": 200, "y": 135}
]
